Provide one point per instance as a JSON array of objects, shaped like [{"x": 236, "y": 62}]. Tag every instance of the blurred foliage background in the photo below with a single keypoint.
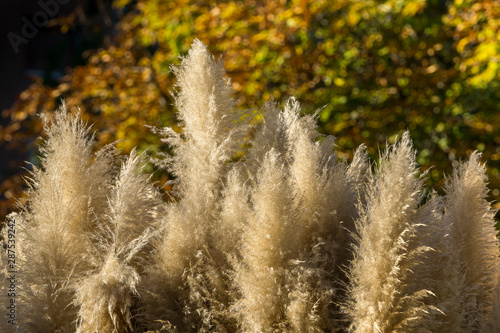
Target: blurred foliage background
[{"x": 376, "y": 68}]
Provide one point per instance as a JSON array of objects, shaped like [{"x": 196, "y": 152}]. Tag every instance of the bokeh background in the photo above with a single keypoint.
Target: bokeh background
[{"x": 374, "y": 68}]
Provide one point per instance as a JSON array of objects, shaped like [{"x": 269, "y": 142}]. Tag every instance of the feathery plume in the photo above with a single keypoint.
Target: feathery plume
[
  {"x": 106, "y": 297},
  {"x": 211, "y": 136},
  {"x": 381, "y": 296},
  {"x": 325, "y": 192},
  {"x": 62, "y": 209},
  {"x": 269, "y": 242},
  {"x": 474, "y": 242}
]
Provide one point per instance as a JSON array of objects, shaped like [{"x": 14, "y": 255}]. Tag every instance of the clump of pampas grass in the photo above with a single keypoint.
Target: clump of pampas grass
[{"x": 266, "y": 230}]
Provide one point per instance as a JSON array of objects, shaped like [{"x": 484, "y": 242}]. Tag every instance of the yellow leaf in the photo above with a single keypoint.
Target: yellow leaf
[
  {"x": 461, "y": 44},
  {"x": 339, "y": 81}
]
